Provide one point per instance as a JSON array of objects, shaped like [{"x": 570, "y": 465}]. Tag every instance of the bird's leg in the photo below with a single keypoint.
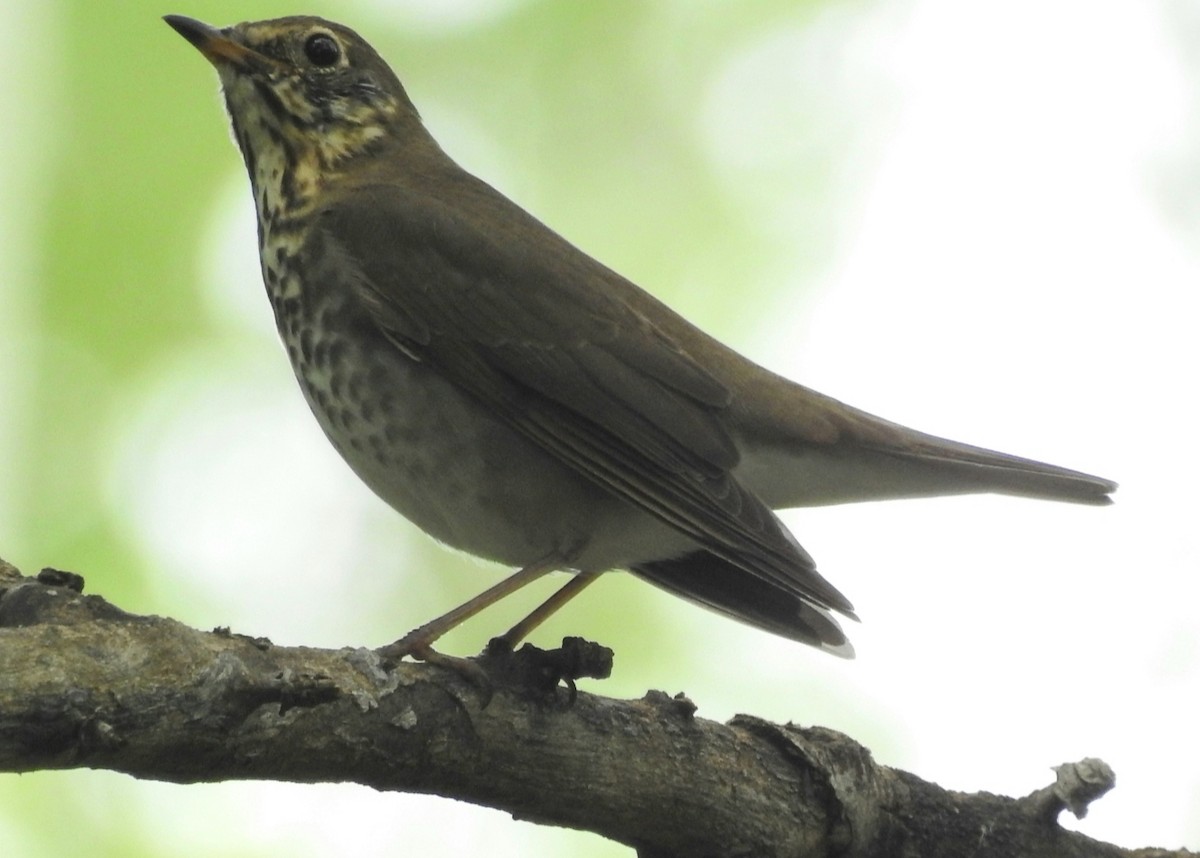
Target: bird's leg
[
  {"x": 560, "y": 597},
  {"x": 419, "y": 642}
]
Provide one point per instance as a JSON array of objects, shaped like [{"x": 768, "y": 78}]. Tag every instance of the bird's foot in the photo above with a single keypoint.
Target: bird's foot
[
  {"x": 530, "y": 667},
  {"x": 543, "y": 670},
  {"x": 415, "y": 647}
]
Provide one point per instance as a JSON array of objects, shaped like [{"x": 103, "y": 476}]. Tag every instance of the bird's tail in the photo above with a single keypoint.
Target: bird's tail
[{"x": 714, "y": 583}]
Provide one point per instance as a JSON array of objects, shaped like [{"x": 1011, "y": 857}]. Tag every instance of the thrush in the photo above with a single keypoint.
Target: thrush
[{"x": 520, "y": 401}]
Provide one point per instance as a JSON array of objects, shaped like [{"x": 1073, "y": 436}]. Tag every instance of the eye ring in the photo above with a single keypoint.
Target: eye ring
[{"x": 322, "y": 50}]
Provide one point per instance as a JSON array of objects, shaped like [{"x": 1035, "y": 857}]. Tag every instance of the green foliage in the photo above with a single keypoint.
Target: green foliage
[{"x": 593, "y": 115}]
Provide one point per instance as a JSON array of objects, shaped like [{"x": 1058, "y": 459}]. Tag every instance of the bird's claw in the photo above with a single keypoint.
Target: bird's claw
[{"x": 393, "y": 653}]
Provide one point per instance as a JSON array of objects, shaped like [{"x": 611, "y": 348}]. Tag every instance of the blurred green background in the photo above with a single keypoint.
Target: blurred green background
[
  {"x": 143, "y": 386},
  {"x": 151, "y": 436}
]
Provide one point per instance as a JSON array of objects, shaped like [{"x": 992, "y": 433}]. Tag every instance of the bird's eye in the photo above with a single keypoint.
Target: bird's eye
[{"x": 322, "y": 50}]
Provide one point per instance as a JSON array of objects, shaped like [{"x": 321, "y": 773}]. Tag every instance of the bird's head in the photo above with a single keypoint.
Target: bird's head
[{"x": 305, "y": 96}]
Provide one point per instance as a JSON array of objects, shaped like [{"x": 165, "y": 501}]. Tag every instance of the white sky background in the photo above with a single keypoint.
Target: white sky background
[
  {"x": 1007, "y": 275},
  {"x": 1013, "y": 279}
]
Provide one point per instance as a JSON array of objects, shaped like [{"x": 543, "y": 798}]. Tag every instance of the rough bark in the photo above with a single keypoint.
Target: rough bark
[{"x": 85, "y": 684}]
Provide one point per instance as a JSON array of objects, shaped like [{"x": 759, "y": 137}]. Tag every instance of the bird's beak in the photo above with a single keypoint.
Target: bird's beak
[{"x": 217, "y": 47}]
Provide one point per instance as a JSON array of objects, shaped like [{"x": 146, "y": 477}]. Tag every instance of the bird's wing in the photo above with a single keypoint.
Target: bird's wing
[{"x": 526, "y": 323}]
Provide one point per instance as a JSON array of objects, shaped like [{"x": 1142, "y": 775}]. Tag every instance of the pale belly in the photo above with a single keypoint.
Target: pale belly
[{"x": 464, "y": 477}]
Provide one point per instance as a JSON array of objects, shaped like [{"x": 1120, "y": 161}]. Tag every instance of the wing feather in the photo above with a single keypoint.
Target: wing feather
[{"x": 530, "y": 326}]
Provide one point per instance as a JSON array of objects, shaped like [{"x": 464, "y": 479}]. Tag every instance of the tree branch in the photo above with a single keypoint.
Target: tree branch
[{"x": 84, "y": 684}]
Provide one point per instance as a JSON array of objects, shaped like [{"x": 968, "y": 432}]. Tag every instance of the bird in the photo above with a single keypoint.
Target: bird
[{"x": 520, "y": 401}]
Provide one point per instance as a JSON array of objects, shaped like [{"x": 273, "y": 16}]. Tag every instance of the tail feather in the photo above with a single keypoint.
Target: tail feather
[
  {"x": 721, "y": 586},
  {"x": 923, "y": 466},
  {"x": 1002, "y": 472}
]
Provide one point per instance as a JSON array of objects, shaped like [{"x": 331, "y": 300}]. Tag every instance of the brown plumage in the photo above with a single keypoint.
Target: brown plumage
[{"x": 516, "y": 398}]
